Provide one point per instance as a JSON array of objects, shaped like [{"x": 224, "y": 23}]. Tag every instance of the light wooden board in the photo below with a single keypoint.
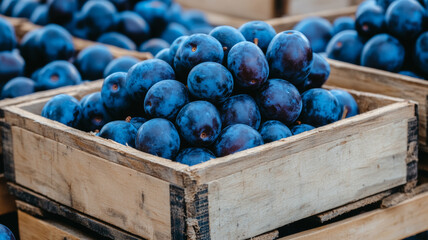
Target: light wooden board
[
  {"x": 121, "y": 196},
  {"x": 31, "y": 228},
  {"x": 7, "y": 202},
  {"x": 295, "y": 7},
  {"x": 398, "y": 222}
]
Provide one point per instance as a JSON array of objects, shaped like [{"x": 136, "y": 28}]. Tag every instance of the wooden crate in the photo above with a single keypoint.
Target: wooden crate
[
  {"x": 7, "y": 202},
  {"x": 237, "y": 196},
  {"x": 373, "y": 80}
]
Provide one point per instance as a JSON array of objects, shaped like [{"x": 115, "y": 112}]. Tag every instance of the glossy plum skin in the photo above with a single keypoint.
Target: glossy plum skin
[
  {"x": 211, "y": 82},
  {"x": 5, "y": 233},
  {"x": 199, "y": 123},
  {"x": 193, "y": 156},
  {"x": 420, "y": 54},
  {"x": 248, "y": 65},
  {"x": 23, "y": 9},
  {"x": 144, "y": 75},
  {"x": 290, "y": 57},
  {"x": 57, "y": 74},
  {"x": 279, "y": 100},
  {"x": 154, "y": 46},
  {"x": 346, "y": 101},
  {"x": 133, "y": 26},
  {"x": 92, "y": 61},
  {"x": 155, "y": 13},
  {"x": 240, "y": 109},
  {"x": 122, "y": 64},
  {"x": 137, "y": 122},
  {"x": 228, "y": 37},
  {"x": 158, "y": 137},
  {"x": 98, "y": 17},
  {"x": 61, "y": 11},
  {"x": 118, "y": 40},
  {"x": 383, "y": 52},
  {"x": 263, "y": 31},
  {"x": 11, "y": 65},
  {"x": 7, "y": 36},
  {"x": 64, "y": 109},
  {"x": 297, "y": 129},
  {"x": 165, "y": 98},
  {"x": 194, "y": 50},
  {"x": 28, "y": 49},
  {"x": 274, "y": 130},
  {"x": 237, "y": 138},
  {"x": 370, "y": 21},
  {"x": 40, "y": 15},
  {"x": 343, "y": 23},
  {"x": 384, "y": 3},
  {"x": 320, "y": 72},
  {"x": 165, "y": 55},
  {"x": 318, "y": 31},
  {"x": 320, "y": 107},
  {"x": 120, "y": 131},
  {"x": 94, "y": 114},
  {"x": 405, "y": 19},
  {"x": 115, "y": 97},
  {"x": 173, "y": 31},
  {"x": 176, "y": 45},
  {"x": 17, "y": 87},
  {"x": 346, "y": 46},
  {"x": 53, "y": 43}
]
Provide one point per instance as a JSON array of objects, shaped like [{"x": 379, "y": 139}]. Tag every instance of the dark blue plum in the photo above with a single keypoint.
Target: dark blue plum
[
  {"x": 290, "y": 57},
  {"x": 7, "y": 36},
  {"x": 118, "y": 40},
  {"x": 196, "y": 49},
  {"x": 199, "y": 123},
  {"x": 384, "y": 52},
  {"x": 61, "y": 11},
  {"x": 248, "y": 65},
  {"x": 347, "y": 102},
  {"x": 143, "y": 75},
  {"x": 155, "y": 13},
  {"x": 318, "y": 31},
  {"x": 122, "y": 64},
  {"x": 175, "y": 12},
  {"x": 40, "y": 15},
  {"x": 194, "y": 20},
  {"x": 175, "y": 46},
  {"x": 29, "y": 50},
  {"x": 384, "y": 3},
  {"x": 57, "y": 74},
  {"x": 24, "y": 8},
  {"x": 194, "y": 156},
  {"x": 343, "y": 23},
  {"x": 133, "y": 26},
  {"x": 5, "y": 233},
  {"x": 410, "y": 74},
  {"x": 137, "y": 122},
  {"x": 94, "y": 114},
  {"x": 370, "y": 21},
  {"x": 405, "y": 19},
  {"x": 64, "y": 109},
  {"x": 121, "y": 5},
  {"x": 158, "y": 137},
  {"x": 279, "y": 100},
  {"x": 165, "y": 98},
  {"x": 228, "y": 37},
  {"x": 153, "y": 46},
  {"x": 17, "y": 87},
  {"x": 115, "y": 97},
  {"x": 7, "y": 6},
  {"x": 165, "y": 55},
  {"x": 92, "y": 61},
  {"x": 297, "y": 129},
  {"x": 320, "y": 72},
  {"x": 320, "y": 107},
  {"x": 346, "y": 46},
  {"x": 420, "y": 54},
  {"x": 237, "y": 138},
  {"x": 173, "y": 31},
  {"x": 119, "y": 131},
  {"x": 240, "y": 109},
  {"x": 11, "y": 65},
  {"x": 258, "y": 32},
  {"x": 274, "y": 130},
  {"x": 211, "y": 82},
  {"x": 98, "y": 17}
]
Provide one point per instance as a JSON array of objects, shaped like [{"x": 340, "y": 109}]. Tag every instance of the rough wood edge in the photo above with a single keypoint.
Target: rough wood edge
[
  {"x": 197, "y": 211},
  {"x": 267, "y": 236},
  {"x": 7, "y": 201},
  {"x": 7, "y": 148},
  {"x": 397, "y": 198},
  {"x": 30, "y": 209},
  {"x": 61, "y": 211},
  {"x": 178, "y": 214}
]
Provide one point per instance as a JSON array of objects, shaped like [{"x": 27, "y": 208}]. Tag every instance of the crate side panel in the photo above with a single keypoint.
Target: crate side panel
[
  {"x": 310, "y": 6},
  {"x": 270, "y": 195},
  {"x": 118, "y": 195},
  {"x": 7, "y": 202}
]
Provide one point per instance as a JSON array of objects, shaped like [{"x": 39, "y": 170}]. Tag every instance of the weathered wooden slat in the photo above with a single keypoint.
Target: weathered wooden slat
[{"x": 7, "y": 201}]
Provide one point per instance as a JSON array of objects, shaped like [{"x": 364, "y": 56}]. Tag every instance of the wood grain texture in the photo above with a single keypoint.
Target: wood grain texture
[
  {"x": 121, "y": 196},
  {"x": 7, "y": 201},
  {"x": 310, "y": 6},
  {"x": 32, "y": 228},
  {"x": 398, "y": 222}
]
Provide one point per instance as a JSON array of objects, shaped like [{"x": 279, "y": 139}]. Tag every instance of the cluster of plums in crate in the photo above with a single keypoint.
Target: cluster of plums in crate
[
  {"x": 390, "y": 35},
  {"x": 211, "y": 95}
]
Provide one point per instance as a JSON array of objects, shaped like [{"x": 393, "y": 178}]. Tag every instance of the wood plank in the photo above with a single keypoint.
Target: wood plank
[
  {"x": 31, "y": 228},
  {"x": 308, "y": 182},
  {"x": 128, "y": 199},
  {"x": 309, "y": 6},
  {"x": 7, "y": 201},
  {"x": 398, "y": 222}
]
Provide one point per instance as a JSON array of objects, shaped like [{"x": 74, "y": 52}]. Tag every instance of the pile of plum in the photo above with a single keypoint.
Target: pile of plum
[
  {"x": 390, "y": 35},
  {"x": 210, "y": 95},
  {"x": 146, "y": 26}
]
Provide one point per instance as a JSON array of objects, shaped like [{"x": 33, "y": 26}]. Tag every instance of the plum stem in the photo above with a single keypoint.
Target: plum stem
[
  {"x": 128, "y": 119},
  {"x": 345, "y": 113},
  {"x": 256, "y": 41}
]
